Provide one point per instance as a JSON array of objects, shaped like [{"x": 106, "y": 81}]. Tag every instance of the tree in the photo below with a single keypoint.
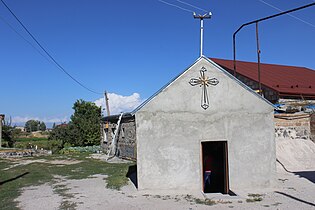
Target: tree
[
  {"x": 83, "y": 128},
  {"x": 9, "y": 133},
  {"x": 86, "y": 121},
  {"x": 32, "y": 125},
  {"x": 61, "y": 133},
  {"x": 42, "y": 126}
]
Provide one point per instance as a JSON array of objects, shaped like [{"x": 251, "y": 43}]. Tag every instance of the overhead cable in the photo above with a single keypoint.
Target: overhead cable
[
  {"x": 173, "y": 5},
  {"x": 193, "y": 6},
  {"x": 280, "y": 10},
  {"x": 47, "y": 53},
  {"x": 26, "y": 40}
]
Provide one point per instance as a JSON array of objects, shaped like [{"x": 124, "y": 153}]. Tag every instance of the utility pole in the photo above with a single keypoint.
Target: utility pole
[
  {"x": 108, "y": 113},
  {"x": 258, "y": 60},
  {"x": 201, "y": 17},
  {"x": 1, "y": 119},
  {"x": 106, "y": 102}
]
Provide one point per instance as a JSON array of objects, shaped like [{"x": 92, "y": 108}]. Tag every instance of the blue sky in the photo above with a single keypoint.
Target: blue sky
[{"x": 131, "y": 48}]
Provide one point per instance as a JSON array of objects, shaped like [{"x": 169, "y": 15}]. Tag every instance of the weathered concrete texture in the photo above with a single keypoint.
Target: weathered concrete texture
[{"x": 171, "y": 127}]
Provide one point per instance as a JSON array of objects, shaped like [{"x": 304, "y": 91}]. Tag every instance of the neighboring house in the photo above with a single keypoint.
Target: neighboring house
[
  {"x": 21, "y": 128},
  {"x": 62, "y": 125},
  {"x": 204, "y": 112},
  {"x": 278, "y": 81}
]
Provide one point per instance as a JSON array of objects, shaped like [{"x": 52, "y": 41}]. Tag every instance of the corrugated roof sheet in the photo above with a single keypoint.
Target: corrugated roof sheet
[{"x": 287, "y": 80}]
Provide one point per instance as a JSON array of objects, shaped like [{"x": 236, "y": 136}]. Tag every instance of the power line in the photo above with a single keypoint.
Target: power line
[
  {"x": 30, "y": 43},
  {"x": 280, "y": 10},
  {"x": 193, "y": 6},
  {"x": 47, "y": 53},
  {"x": 26, "y": 40},
  {"x": 173, "y": 5}
]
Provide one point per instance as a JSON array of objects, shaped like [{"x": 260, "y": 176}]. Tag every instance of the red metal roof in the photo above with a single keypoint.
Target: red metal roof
[{"x": 287, "y": 80}]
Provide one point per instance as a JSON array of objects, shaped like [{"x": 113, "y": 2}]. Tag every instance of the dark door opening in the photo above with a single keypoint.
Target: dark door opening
[{"x": 215, "y": 167}]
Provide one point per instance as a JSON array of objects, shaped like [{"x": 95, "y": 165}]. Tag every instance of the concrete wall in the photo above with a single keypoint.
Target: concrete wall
[{"x": 171, "y": 127}]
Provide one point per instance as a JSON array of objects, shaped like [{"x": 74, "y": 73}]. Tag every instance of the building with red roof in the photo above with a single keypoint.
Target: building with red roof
[{"x": 278, "y": 81}]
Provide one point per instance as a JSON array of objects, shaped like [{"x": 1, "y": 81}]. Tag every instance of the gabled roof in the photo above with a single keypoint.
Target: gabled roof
[
  {"x": 287, "y": 80},
  {"x": 210, "y": 61}
]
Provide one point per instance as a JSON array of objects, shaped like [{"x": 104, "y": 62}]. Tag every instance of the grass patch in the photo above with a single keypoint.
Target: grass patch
[
  {"x": 45, "y": 144},
  {"x": 254, "y": 198},
  {"x": 14, "y": 179},
  {"x": 32, "y": 139},
  {"x": 4, "y": 164},
  {"x": 68, "y": 205},
  {"x": 62, "y": 190},
  {"x": 117, "y": 175},
  {"x": 206, "y": 201}
]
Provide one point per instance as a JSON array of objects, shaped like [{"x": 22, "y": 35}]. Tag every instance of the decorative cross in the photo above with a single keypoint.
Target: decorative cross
[{"x": 204, "y": 82}]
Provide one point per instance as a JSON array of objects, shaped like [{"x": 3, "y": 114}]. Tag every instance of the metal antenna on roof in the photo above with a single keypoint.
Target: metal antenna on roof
[{"x": 201, "y": 17}]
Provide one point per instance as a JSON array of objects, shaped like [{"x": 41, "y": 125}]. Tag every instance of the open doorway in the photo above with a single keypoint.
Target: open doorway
[{"x": 215, "y": 167}]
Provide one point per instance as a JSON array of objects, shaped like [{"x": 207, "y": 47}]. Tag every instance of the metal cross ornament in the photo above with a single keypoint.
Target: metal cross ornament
[{"x": 204, "y": 82}]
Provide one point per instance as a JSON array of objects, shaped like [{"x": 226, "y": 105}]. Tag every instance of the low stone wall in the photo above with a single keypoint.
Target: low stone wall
[
  {"x": 12, "y": 153},
  {"x": 294, "y": 126}
]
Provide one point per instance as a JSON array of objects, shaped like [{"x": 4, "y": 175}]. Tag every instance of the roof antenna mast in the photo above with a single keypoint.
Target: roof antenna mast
[{"x": 201, "y": 17}]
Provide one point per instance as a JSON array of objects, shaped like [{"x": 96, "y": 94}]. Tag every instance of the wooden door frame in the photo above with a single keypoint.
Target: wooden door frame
[{"x": 226, "y": 164}]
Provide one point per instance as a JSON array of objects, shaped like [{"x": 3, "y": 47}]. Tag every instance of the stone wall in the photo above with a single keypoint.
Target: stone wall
[
  {"x": 126, "y": 143},
  {"x": 268, "y": 93},
  {"x": 13, "y": 153},
  {"x": 294, "y": 126},
  {"x": 127, "y": 140}
]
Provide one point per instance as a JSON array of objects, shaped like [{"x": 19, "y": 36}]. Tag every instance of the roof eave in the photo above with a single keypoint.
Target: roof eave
[{"x": 164, "y": 87}]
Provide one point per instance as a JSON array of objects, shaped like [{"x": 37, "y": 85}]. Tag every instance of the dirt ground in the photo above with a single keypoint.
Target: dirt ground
[{"x": 294, "y": 191}]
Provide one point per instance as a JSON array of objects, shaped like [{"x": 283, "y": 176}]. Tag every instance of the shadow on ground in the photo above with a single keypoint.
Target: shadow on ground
[
  {"x": 14, "y": 178},
  {"x": 310, "y": 175},
  {"x": 295, "y": 198}
]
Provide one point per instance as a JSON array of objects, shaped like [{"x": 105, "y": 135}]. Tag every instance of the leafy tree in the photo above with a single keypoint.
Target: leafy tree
[
  {"x": 86, "y": 120},
  {"x": 83, "y": 128},
  {"x": 9, "y": 133},
  {"x": 61, "y": 134},
  {"x": 54, "y": 125},
  {"x": 42, "y": 126},
  {"x": 32, "y": 125}
]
